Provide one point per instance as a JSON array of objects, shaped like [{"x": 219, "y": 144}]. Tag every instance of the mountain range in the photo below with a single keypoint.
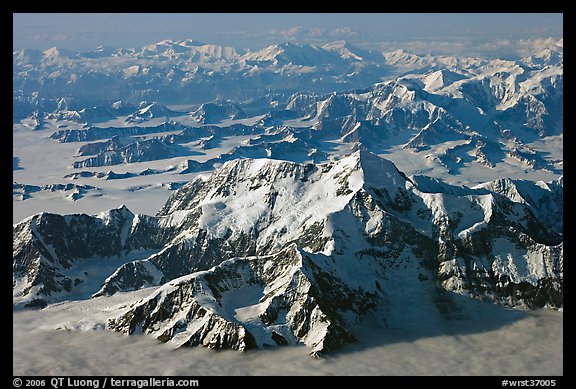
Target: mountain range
[
  {"x": 270, "y": 252},
  {"x": 491, "y": 114},
  {"x": 456, "y": 112},
  {"x": 174, "y": 72},
  {"x": 306, "y": 189}
]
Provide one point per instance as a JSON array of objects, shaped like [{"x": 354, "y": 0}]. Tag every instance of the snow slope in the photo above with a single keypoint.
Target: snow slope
[{"x": 258, "y": 253}]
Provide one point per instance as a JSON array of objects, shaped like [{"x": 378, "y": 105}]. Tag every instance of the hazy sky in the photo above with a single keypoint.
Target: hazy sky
[{"x": 254, "y": 30}]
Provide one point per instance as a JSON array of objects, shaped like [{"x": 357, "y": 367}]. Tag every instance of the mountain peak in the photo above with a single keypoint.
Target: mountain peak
[
  {"x": 121, "y": 212},
  {"x": 378, "y": 170},
  {"x": 345, "y": 49},
  {"x": 190, "y": 43},
  {"x": 239, "y": 182},
  {"x": 268, "y": 252}
]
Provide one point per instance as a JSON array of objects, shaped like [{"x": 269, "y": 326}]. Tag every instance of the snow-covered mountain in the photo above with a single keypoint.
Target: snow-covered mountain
[
  {"x": 177, "y": 71},
  {"x": 91, "y": 133},
  {"x": 114, "y": 153},
  {"x": 265, "y": 252},
  {"x": 284, "y": 220},
  {"x": 174, "y": 71},
  {"x": 210, "y": 113},
  {"x": 305, "y": 103},
  {"x": 490, "y": 118},
  {"x": 147, "y": 111}
]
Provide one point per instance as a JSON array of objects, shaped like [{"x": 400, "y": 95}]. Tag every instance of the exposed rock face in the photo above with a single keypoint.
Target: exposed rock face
[
  {"x": 216, "y": 112},
  {"x": 74, "y": 192},
  {"x": 47, "y": 248},
  {"x": 96, "y": 133},
  {"x": 148, "y": 111},
  {"x": 244, "y": 303},
  {"x": 138, "y": 151},
  {"x": 264, "y": 252}
]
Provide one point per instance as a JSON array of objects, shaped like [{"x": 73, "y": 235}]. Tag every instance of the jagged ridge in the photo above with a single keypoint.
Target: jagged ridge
[{"x": 364, "y": 237}]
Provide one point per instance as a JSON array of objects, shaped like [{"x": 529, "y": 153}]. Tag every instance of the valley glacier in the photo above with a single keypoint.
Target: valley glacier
[{"x": 311, "y": 200}]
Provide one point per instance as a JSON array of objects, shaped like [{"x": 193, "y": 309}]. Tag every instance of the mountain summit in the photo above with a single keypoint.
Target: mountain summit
[{"x": 270, "y": 252}]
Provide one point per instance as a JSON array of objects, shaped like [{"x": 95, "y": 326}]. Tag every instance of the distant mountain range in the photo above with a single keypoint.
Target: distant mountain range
[
  {"x": 176, "y": 72},
  {"x": 492, "y": 110},
  {"x": 289, "y": 221}
]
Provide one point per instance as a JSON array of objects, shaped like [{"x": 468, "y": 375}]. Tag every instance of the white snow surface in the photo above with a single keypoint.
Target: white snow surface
[
  {"x": 299, "y": 204},
  {"x": 534, "y": 266}
]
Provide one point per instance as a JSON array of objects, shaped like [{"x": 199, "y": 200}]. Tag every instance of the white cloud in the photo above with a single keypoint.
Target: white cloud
[
  {"x": 503, "y": 48},
  {"x": 484, "y": 345}
]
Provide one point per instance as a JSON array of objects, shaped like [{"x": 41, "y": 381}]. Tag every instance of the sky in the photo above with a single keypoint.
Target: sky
[{"x": 85, "y": 31}]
